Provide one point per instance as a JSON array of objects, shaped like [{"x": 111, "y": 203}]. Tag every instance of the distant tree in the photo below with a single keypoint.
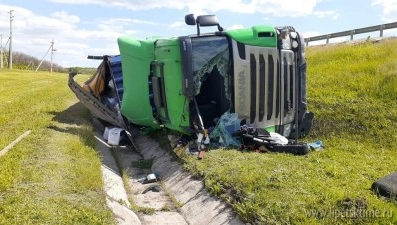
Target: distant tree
[
  {"x": 82, "y": 70},
  {"x": 26, "y": 62}
]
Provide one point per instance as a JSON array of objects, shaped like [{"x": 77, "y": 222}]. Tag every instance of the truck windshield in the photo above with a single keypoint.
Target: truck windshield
[
  {"x": 209, "y": 52},
  {"x": 211, "y": 75}
]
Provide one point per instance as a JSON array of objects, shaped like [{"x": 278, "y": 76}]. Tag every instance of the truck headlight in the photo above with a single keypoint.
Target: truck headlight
[{"x": 285, "y": 38}]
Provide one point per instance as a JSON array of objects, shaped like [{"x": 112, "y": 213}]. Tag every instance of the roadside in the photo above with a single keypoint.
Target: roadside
[
  {"x": 174, "y": 198},
  {"x": 52, "y": 176}
]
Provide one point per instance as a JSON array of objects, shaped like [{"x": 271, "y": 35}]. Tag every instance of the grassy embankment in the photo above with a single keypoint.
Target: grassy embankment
[
  {"x": 352, "y": 89},
  {"x": 53, "y": 175}
]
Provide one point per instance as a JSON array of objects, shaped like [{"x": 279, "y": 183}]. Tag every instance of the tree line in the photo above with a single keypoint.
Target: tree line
[{"x": 26, "y": 62}]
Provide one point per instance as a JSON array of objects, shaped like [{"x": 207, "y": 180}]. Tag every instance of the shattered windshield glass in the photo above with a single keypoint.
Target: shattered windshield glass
[{"x": 209, "y": 53}]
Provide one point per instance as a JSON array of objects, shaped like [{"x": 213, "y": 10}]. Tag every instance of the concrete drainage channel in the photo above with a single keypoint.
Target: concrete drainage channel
[{"x": 176, "y": 198}]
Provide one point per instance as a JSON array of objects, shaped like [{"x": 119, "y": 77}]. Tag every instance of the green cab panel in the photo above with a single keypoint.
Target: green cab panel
[
  {"x": 136, "y": 56},
  {"x": 265, "y": 36},
  {"x": 176, "y": 108}
]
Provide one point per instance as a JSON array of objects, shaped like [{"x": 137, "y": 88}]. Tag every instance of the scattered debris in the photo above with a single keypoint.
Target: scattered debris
[
  {"x": 141, "y": 177},
  {"x": 317, "y": 145},
  {"x": 207, "y": 138},
  {"x": 230, "y": 133},
  {"x": 192, "y": 149},
  {"x": 201, "y": 153},
  {"x": 276, "y": 138},
  {"x": 386, "y": 186},
  {"x": 154, "y": 188},
  {"x": 113, "y": 135},
  {"x": 228, "y": 124},
  {"x": 174, "y": 140},
  {"x": 148, "y": 178}
]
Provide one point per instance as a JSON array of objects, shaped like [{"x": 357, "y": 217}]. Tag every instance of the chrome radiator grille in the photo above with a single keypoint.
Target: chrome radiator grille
[{"x": 264, "y": 85}]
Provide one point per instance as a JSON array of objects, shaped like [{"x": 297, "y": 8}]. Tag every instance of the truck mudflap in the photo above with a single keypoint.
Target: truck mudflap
[{"x": 97, "y": 108}]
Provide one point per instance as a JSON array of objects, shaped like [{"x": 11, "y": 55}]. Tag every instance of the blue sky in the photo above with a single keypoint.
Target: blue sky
[{"x": 91, "y": 27}]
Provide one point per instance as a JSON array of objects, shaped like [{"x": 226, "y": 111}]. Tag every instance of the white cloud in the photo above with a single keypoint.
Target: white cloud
[
  {"x": 330, "y": 13},
  {"x": 390, "y": 33},
  {"x": 234, "y": 27},
  {"x": 28, "y": 25},
  {"x": 66, "y": 17},
  {"x": 311, "y": 34},
  {"x": 177, "y": 25},
  {"x": 336, "y": 16},
  {"x": 389, "y": 9},
  {"x": 127, "y": 21},
  {"x": 32, "y": 34},
  {"x": 74, "y": 40},
  {"x": 291, "y": 8}
]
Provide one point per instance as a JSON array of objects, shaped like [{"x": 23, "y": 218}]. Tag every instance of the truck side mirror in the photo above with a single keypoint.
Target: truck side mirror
[
  {"x": 190, "y": 20},
  {"x": 206, "y": 21}
]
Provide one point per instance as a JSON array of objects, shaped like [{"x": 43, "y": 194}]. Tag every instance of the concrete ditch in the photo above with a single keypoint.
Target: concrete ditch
[{"x": 176, "y": 198}]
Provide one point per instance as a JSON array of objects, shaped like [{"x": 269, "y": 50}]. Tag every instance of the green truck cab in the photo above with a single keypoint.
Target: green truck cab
[{"x": 187, "y": 83}]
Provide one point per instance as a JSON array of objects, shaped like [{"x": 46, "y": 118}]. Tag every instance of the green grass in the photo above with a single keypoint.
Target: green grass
[
  {"x": 143, "y": 164},
  {"x": 53, "y": 175},
  {"x": 352, "y": 89}
]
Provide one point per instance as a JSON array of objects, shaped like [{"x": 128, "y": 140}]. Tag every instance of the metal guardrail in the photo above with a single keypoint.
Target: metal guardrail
[{"x": 353, "y": 32}]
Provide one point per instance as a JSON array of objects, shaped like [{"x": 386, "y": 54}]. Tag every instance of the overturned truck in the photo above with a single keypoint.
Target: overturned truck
[{"x": 188, "y": 83}]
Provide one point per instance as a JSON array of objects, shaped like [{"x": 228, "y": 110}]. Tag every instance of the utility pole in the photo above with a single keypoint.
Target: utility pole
[
  {"x": 10, "y": 49},
  {"x": 1, "y": 51},
  {"x": 52, "y": 51}
]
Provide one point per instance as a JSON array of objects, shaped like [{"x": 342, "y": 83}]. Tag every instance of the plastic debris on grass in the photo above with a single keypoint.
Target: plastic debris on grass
[
  {"x": 228, "y": 124},
  {"x": 315, "y": 146}
]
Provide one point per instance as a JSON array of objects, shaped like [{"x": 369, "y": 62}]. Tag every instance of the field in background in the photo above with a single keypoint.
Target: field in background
[
  {"x": 352, "y": 89},
  {"x": 52, "y": 176}
]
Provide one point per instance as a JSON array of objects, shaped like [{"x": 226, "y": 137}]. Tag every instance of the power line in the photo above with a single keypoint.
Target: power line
[
  {"x": 52, "y": 50},
  {"x": 3, "y": 57}
]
